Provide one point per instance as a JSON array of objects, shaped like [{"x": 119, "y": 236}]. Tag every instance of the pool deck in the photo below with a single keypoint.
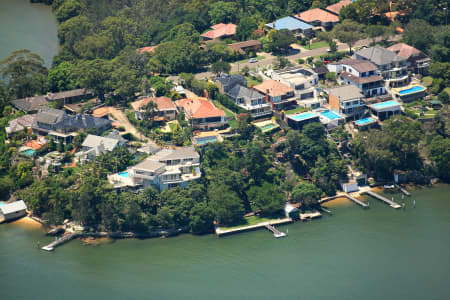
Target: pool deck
[{"x": 221, "y": 232}]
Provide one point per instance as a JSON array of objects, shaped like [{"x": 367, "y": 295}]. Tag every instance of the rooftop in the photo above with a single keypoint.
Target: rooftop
[
  {"x": 360, "y": 80},
  {"x": 20, "y": 123},
  {"x": 68, "y": 94},
  {"x": 405, "y": 50},
  {"x": 30, "y": 103},
  {"x": 240, "y": 91},
  {"x": 220, "y": 30},
  {"x": 150, "y": 49},
  {"x": 13, "y": 207},
  {"x": 245, "y": 44},
  {"x": 100, "y": 112},
  {"x": 273, "y": 88},
  {"x": 346, "y": 92},
  {"x": 289, "y": 23},
  {"x": 379, "y": 55},
  {"x": 93, "y": 141},
  {"x": 199, "y": 108},
  {"x": 317, "y": 14},
  {"x": 359, "y": 65},
  {"x": 163, "y": 103},
  {"x": 336, "y": 8}
]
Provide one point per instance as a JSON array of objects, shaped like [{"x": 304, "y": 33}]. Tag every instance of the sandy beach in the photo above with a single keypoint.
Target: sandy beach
[
  {"x": 28, "y": 222},
  {"x": 338, "y": 202}
]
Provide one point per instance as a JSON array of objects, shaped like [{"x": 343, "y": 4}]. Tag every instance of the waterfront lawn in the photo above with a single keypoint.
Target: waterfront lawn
[{"x": 253, "y": 220}]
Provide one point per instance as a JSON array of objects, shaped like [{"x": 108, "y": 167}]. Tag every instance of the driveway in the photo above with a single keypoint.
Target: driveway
[{"x": 121, "y": 118}]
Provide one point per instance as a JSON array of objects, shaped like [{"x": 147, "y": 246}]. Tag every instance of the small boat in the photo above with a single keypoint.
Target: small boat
[{"x": 389, "y": 186}]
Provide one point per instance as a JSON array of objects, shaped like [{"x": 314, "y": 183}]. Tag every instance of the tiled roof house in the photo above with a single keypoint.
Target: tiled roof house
[
  {"x": 202, "y": 114},
  {"x": 220, "y": 31}
]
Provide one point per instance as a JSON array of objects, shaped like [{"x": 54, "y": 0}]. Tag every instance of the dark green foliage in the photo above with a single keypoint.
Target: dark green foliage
[
  {"x": 306, "y": 193},
  {"x": 439, "y": 149}
]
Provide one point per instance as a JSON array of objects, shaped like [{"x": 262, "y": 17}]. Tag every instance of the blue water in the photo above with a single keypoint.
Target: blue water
[
  {"x": 303, "y": 116},
  {"x": 205, "y": 140},
  {"x": 29, "y": 152},
  {"x": 330, "y": 115},
  {"x": 364, "y": 121},
  {"x": 124, "y": 174},
  {"x": 385, "y": 104},
  {"x": 413, "y": 89}
]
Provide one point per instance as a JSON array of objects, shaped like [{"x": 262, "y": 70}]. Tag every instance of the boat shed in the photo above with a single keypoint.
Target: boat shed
[{"x": 13, "y": 210}]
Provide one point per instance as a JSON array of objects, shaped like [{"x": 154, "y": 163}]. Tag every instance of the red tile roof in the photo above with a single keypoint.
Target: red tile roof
[
  {"x": 273, "y": 88},
  {"x": 336, "y": 8},
  {"x": 150, "y": 49},
  {"x": 220, "y": 30},
  {"x": 199, "y": 108},
  {"x": 404, "y": 50},
  {"x": 163, "y": 103},
  {"x": 317, "y": 14}
]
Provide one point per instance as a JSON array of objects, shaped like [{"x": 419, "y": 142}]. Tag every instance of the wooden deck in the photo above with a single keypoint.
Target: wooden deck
[
  {"x": 384, "y": 199},
  {"x": 221, "y": 232},
  {"x": 56, "y": 243}
]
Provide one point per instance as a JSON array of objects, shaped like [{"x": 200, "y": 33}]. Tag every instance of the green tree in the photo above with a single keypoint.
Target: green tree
[
  {"x": 73, "y": 30},
  {"x": 281, "y": 40},
  {"x": 439, "y": 151},
  {"x": 375, "y": 31},
  {"x": 245, "y": 28},
  {"x": 306, "y": 193},
  {"x": 95, "y": 74},
  {"x": 267, "y": 198},
  {"x": 220, "y": 67},
  {"x": 201, "y": 219},
  {"x": 222, "y": 12},
  {"x": 69, "y": 9},
  {"x": 348, "y": 32},
  {"x": 61, "y": 78},
  {"x": 226, "y": 204}
]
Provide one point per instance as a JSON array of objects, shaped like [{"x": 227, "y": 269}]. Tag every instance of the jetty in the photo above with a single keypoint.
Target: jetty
[
  {"x": 276, "y": 233},
  {"x": 56, "y": 243},
  {"x": 224, "y": 231},
  {"x": 345, "y": 195},
  {"x": 403, "y": 190},
  {"x": 384, "y": 199}
]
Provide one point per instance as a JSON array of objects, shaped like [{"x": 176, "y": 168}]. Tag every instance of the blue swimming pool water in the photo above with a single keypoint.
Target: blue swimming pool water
[
  {"x": 124, "y": 174},
  {"x": 413, "y": 89},
  {"x": 364, "y": 121},
  {"x": 205, "y": 139},
  {"x": 330, "y": 115},
  {"x": 303, "y": 116},
  {"x": 385, "y": 104},
  {"x": 29, "y": 152}
]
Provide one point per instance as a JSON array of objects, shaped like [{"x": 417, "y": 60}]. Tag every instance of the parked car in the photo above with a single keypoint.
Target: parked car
[{"x": 252, "y": 60}]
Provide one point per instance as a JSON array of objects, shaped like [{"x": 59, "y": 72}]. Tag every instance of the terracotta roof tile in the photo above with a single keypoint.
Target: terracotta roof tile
[
  {"x": 317, "y": 14},
  {"x": 336, "y": 8},
  {"x": 199, "y": 108},
  {"x": 274, "y": 88},
  {"x": 220, "y": 30},
  {"x": 163, "y": 103},
  {"x": 404, "y": 50}
]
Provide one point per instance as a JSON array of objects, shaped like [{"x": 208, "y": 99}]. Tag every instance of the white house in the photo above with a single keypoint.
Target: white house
[{"x": 13, "y": 210}]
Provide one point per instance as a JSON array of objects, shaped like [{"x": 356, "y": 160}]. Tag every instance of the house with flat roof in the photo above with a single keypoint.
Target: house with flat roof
[
  {"x": 347, "y": 100},
  {"x": 318, "y": 17},
  {"x": 297, "y": 121},
  {"x": 166, "y": 169},
  {"x": 393, "y": 68},
  {"x": 280, "y": 95},
  {"x": 220, "y": 31},
  {"x": 385, "y": 110},
  {"x": 418, "y": 61},
  {"x": 12, "y": 211},
  {"x": 62, "y": 127},
  {"x": 19, "y": 124},
  {"x": 296, "y": 26},
  {"x": 166, "y": 109},
  {"x": 362, "y": 74},
  {"x": 250, "y": 100},
  {"x": 336, "y": 7},
  {"x": 299, "y": 78},
  {"x": 202, "y": 114}
]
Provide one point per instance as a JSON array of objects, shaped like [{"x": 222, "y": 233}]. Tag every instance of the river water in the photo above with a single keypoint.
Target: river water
[
  {"x": 378, "y": 253},
  {"x": 28, "y": 26}
]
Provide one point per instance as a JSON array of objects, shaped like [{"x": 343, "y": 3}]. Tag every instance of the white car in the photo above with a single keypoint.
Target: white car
[{"x": 252, "y": 60}]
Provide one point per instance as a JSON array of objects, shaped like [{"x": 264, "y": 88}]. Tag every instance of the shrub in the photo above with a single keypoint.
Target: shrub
[{"x": 121, "y": 128}]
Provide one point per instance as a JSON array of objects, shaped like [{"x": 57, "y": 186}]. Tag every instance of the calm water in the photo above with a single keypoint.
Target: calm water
[
  {"x": 380, "y": 253},
  {"x": 28, "y": 26}
]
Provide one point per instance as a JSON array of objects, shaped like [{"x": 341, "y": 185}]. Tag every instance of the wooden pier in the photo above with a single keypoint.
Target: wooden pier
[
  {"x": 384, "y": 199},
  {"x": 344, "y": 195},
  {"x": 276, "y": 233},
  {"x": 64, "y": 239},
  {"x": 359, "y": 202},
  {"x": 221, "y": 232},
  {"x": 403, "y": 190}
]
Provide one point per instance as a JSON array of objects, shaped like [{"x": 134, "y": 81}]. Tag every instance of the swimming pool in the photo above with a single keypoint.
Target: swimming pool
[
  {"x": 364, "y": 121},
  {"x": 205, "y": 139},
  {"x": 124, "y": 174},
  {"x": 29, "y": 152},
  {"x": 267, "y": 127},
  {"x": 410, "y": 90},
  {"x": 385, "y": 104},
  {"x": 303, "y": 116},
  {"x": 330, "y": 115}
]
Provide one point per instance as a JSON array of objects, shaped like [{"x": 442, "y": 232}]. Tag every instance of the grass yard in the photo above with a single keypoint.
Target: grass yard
[
  {"x": 251, "y": 81},
  {"x": 233, "y": 123},
  {"x": 295, "y": 110},
  {"x": 253, "y": 220},
  {"x": 228, "y": 113},
  {"x": 316, "y": 45},
  {"x": 427, "y": 81}
]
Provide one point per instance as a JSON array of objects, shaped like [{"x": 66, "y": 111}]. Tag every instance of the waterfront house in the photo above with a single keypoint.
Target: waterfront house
[
  {"x": 294, "y": 25},
  {"x": 393, "y": 68},
  {"x": 226, "y": 82},
  {"x": 384, "y": 110},
  {"x": 250, "y": 100},
  {"x": 280, "y": 95},
  {"x": 318, "y": 17},
  {"x": 12, "y": 211},
  {"x": 347, "y": 100},
  {"x": 202, "y": 114},
  {"x": 302, "y": 80},
  {"x": 336, "y": 7},
  {"x": 220, "y": 31},
  {"x": 95, "y": 145},
  {"x": 360, "y": 73},
  {"x": 62, "y": 127},
  {"x": 166, "y": 109},
  {"x": 19, "y": 124},
  {"x": 66, "y": 97},
  {"x": 418, "y": 61},
  {"x": 166, "y": 169}
]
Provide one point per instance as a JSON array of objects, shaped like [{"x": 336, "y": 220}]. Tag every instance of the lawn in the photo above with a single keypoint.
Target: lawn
[
  {"x": 253, "y": 220},
  {"x": 295, "y": 110},
  {"x": 427, "y": 81},
  {"x": 251, "y": 81},
  {"x": 316, "y": 45},
  {"x": 228, "y": 113},
  {"x": 233, "y": 123}
]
